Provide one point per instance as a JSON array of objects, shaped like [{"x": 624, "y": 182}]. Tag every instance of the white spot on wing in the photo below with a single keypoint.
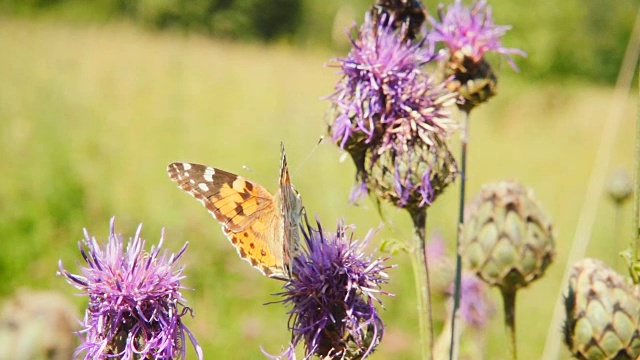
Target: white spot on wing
[
  {"x": 186, "y": 166},
  {"x": 203, "y": 187},
  {"x": 208, "y": 174}
]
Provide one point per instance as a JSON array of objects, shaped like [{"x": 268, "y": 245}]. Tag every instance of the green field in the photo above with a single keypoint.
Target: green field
[{"x": 91, "y": 115}]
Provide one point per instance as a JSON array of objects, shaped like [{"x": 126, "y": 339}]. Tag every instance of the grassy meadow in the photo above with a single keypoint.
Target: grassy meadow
[{"x": 90, "y": 115}]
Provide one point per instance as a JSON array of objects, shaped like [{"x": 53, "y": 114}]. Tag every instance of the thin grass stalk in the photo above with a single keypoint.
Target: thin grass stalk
[
  {"x": 595, "y": 186},
  {"x": 423, "y": 282},
  {"x": 616, "y": 232},
  {"x": 636, "y": 197},
  {"x": 455, "y": 316}
]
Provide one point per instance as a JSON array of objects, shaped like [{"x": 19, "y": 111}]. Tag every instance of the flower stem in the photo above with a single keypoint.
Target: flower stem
[
  {"x": 423, "y": 283},
  {"x": 636, "y": 199},
  {"x": 509, "y": 298},
  {"x": 456, "y": 295}
]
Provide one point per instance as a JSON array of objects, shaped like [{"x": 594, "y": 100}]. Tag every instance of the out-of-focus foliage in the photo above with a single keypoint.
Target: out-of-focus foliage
[
  {"x": 569, "y": 38},
  {"x": 237, "y": 19},
  {"x": 563, "y": 38},
  {"x": 244, "y": 19}
]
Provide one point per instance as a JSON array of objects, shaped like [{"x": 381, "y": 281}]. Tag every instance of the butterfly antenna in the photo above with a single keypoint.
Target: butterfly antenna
[{"x": 309, "y": 154}]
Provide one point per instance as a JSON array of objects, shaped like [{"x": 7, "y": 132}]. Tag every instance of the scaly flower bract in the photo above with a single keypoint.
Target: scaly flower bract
[
  {"x": 399, "y": 13},
  {"x": 135, "y": 306}
]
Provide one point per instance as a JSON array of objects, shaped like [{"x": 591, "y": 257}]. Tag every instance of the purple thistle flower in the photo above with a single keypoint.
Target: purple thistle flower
[
  {"x": 383, "y": 81},
  {"x": 392, "y": 117},
  {"x": 471, "y": 30},
  {"x": 358, "y": 191},
  {"x": 475, "y": 307},
  {"x": 135, "y": 306},
  {"x": 436, "y": 251},
  {"x": 288, "y": 354},
  {"x": 333, "y": 295},
  {"x": 468, "y": 34}
]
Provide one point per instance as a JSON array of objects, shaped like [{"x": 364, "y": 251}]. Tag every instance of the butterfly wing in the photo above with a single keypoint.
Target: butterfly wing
[
  {"x": 247, "y": 212},
  {"x": 290, "y": 204}
]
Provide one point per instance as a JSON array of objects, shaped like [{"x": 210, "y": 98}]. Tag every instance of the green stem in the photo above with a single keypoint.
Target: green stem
[
  {"x": 458, "y": 279},
  {"x": 423, "y": 283},
  {"x": 616, "y": 233},
  {"x": 509, "y": 298},
  {"x": 636, "y": 202}
]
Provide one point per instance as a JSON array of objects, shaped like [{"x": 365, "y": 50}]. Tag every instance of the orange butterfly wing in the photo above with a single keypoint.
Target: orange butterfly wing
[{"x": 248, "y": 213}]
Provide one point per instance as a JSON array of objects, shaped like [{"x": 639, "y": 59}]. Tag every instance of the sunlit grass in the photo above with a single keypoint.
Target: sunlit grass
[{"x": 91, "y": 116}]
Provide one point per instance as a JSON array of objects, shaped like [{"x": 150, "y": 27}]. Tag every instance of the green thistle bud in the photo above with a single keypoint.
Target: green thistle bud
[
  {"x": 506, "y": 239},
  {"x": 620, "y": 187},
  {"x": 38, "y": 325},
  {"x": 602, "y": 311}
]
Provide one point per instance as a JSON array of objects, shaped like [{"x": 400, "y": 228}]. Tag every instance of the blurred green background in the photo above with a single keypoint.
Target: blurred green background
[
  {"x": 570, "y": 38},
  {"x": 96, "y": 98}
]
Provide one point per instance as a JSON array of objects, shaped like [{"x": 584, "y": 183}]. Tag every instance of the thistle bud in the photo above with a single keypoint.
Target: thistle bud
[
  {"x": 474, "y": 81},
  {"x": 602, "y": 312},
  {"x": 408, "y": 13},
  {"x": 507, "y": 240},
  {"x": 620, "y": 187},
  {"x": 412, "y": 178},
  {"x": 38, "y": 325}
]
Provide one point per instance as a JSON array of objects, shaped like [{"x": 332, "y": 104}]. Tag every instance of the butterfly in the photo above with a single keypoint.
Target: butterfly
[{"x": 262, "y": 227}]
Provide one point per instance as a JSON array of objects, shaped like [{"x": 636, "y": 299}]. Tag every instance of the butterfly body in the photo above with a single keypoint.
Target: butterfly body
[{"x": 262, "y": 227}]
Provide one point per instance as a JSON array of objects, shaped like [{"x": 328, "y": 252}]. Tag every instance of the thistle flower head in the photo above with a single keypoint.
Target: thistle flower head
[
  {"x": 383, "y": 82},
  {"x": 436, "y": 250},
  {"x": 399, "y": 13},
  {"x": 407, "y": 171},
  {"x": 468, "y": 33},
  {"x": 475, "y": 306},
  {"x": 390, "y": 115},
  {"x": 135, "y": 306},
  {"x": 471, "y": 31},
  {"x": 333, "y": 296}
]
